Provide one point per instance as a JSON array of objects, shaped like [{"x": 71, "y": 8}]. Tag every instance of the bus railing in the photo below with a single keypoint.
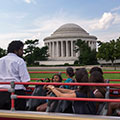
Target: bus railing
[
  {"x": 14, "y": 96},
  {"x": 53, "y": 72}
]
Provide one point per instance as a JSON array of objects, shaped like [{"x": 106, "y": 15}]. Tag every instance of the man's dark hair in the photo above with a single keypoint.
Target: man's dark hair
[{"x": 14, "y": 46}]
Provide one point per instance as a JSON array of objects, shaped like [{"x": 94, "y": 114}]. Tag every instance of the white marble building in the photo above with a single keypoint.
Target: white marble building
[{"x": 61, "y": 43}]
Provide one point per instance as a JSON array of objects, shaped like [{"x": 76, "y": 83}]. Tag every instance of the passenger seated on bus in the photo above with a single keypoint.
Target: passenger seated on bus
[
  {"x": 38, "y": 91},
  {"x": 55, "y": 78},
  {"x": 97, "y": 77},
  {"x": 79, "y": 107},
  {"x": 112, "y": 109},
  {"x": 70, "y": 75},
  {"x": 98, "y": 91},
  {"x": 63, "y": 106}
]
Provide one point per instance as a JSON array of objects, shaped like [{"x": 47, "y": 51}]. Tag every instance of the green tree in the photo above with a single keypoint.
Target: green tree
[
  {"x": 2, "y": 52},
  {"x": 34, "y": 53},
  {"x": 109, "y": 50},
  {"x": 86, "y": 56},
  {"x": 41, "y": 53},
  {"x": 31, "y": 45}
]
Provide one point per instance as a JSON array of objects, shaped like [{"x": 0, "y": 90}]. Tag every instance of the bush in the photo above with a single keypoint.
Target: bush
[
  {"x": 66, "y": 64},
  {"x": 76, "y": 62}
]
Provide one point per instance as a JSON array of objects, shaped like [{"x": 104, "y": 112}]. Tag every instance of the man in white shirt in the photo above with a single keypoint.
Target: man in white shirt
[{"x": 13, "y": 68}]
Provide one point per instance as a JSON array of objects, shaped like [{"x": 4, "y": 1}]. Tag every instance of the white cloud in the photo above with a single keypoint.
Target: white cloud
[
  {"x": 30, "y": 1},
  {"x": 5, "y": 39},
  {"x": 117, "y": 19},
  {"x": 106, "y": 37},
  {"x": 115, "y": 9},
  {"x": 45, "y": 26},
  {"x": 104, "y": 22}
]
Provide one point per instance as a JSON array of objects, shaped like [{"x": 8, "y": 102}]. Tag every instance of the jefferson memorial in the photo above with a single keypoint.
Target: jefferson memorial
[{"x": 61, "y": 44}]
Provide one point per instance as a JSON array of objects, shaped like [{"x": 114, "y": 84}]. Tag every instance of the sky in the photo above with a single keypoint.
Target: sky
[{"x": 37, "y": 19}]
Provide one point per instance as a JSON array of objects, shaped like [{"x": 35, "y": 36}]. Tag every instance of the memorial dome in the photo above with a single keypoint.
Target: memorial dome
[{"x": 69, "y": 30}]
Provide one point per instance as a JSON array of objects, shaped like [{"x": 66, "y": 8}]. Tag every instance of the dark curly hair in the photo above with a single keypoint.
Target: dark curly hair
[
  {"x": 81, "y": 76},
  {"x": 96, "y": 69},
  {"x": 14, "y": 46},
  {"x": 97, "y": 77},
  {"x": 70, "y": 71},
  {"x": 60, "y": 78}
]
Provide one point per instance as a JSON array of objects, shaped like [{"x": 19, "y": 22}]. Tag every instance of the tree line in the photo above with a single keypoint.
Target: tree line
[
  {"x": 108, "y": 51},
  {"x": 32, "y": 52}
]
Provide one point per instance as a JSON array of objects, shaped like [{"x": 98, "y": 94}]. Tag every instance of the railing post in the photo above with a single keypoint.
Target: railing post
[
  {"x": 12, "y": 91},
  {"x": 107, "y": 97}
]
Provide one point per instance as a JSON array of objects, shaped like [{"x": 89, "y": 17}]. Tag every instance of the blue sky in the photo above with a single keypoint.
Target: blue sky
[{"x": 37, "y": 19}]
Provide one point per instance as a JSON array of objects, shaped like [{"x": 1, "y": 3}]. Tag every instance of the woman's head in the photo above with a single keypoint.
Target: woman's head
[
  {"x": 81, "y": 75},
  {"x": 96, "y": 69},
  {"x": 96, "y": 77},
  {"x": 70, "y": 71},
  {"x": 56, "y": 78}
]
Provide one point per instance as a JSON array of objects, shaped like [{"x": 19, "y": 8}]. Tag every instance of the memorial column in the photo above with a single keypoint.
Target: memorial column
[
  {"x": 71, "y": 48},
  {"x": 62, "y": 49},
  {"x": 66, "y": 48}
]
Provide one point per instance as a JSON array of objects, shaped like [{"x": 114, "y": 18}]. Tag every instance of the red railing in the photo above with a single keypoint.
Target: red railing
[
  {"x": 106, "y": 72},
  {"x": 117, "y": 80},
  {"x": 46, "y": 72},
  {"x": 70, "y": 99},
  {"x": 71, "y": 84},
  {"x": 13, "y": 96},
  {"x": 1, "y": 90}
]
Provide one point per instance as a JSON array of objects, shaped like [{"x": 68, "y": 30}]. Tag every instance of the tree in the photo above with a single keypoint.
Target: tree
[
  {"x": 31, "y": 45},
  {"x": 34, "y": 53},
  {"x": 86, "y": 55},
  {"x": 109, "y": 50},
  {"x": 41, "y": 53},
  {"x": 2, "y": 52}
]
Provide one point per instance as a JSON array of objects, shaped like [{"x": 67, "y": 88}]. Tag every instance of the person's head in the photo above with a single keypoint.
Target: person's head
[
  {"x": 96, "y": 69},
  {"x": 57, "y": 78},
  {"x": 16, "y": 47},
  {"x": 70, "y": 71},
  {"x": 96, "y": 77},
  {"x": 81, "y": 75}
]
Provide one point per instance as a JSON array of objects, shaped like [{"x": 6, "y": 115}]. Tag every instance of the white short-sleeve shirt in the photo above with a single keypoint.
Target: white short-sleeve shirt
[{"x": 13, "y": 68}]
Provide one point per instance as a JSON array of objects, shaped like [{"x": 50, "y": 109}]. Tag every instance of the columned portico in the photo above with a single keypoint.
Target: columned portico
[{"x": 61, "y": 49}]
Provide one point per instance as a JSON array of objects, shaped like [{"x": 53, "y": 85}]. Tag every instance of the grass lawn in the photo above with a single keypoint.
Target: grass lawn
[{"x": 47, "y": 75}]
